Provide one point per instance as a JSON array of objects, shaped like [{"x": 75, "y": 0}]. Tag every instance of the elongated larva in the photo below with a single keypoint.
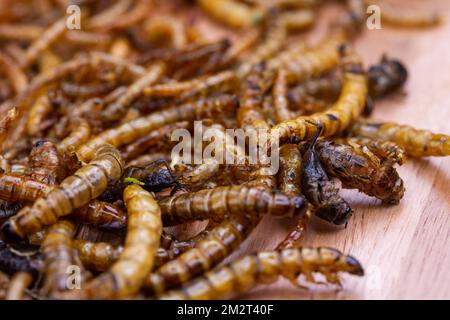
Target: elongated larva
[
  {"x": 296, "y": 234},
  {"x": 298, "y": 20},
  {"x": 280, "y": 97},
  {"x": 97, "y": 256},
  {"x": 264, "y": 268},
  {"x": 25, "y": 32},
  {"x": 57, "y": 251},
  {"x": 17, "y": 286},
  {"x": 409, "y": 19},
  {"x": 14, "y": 73},
  {"x": 6, "y": 122},
  {"x": 416, "y": 142},
  {"x": 126, "y": 275},
  {"x": 74, "y": 192},
  {"x": 358, "y": 168},
  {"x": 223, "y": 201},
  {"x": 45, "y": 40},
  {"x": 117, "y": 109},
  {"x": 109, "y": 15},
  {"x": 19, "y": 188},
  {"x": 206, "y": 254},
  {"x": 135, "y": 129},
  {"x": 166, "y": 26},
  {"x": 86, "y": 90},
  {"x": 40, "y": 109},
  {"x": 79, "y": 135},
  {"x": 231, "y": 12},
  {"x": 335, "y": 120}
]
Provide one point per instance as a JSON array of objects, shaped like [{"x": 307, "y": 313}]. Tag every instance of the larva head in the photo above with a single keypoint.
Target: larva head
[
  {"x": 386, "y": 77},
  {"x": 336, "y": 261}
]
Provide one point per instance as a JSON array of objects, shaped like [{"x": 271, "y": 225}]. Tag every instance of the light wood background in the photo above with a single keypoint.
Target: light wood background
[{"x": 405, "y": 249}]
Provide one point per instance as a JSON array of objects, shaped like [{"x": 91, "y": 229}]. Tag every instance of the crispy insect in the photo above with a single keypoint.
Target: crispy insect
[
  {"x": 416, "y": 142},
  {"x": 218, "y": 244},
  {"x": 79, "y": 135},
  {"x": 335, "y": 120},
  {"x": 19, "y": 283},
  {"x": 74, "y": 192},
  {"x": 232, "y": 13},
  {"x": 58, "y": 258},
  {"x": 295, "y": 236},
  {"x": 127, "y": 274},
  {"x": 320, "y": 190},
  {"x": 386, "y": 77},
  {"x": 358, "y": 168},
  {"x": 51, "y": 34},
  {"x": 117, "y": 109},
  {"x": 11, "y": 262},
  {"x": 280, "y": 97},
  {"x": 40, "y": 109},
  {"x": 14, "y": 73},
  {"x": 245, "y": 273},
  {"x": 97, "y": 256},
  {"x": 409, "y": 19},
  {"x": 19, "y": 188},
  {"x": 46, "y": 163},
  {"x": 6, "y": 123},
  {"x": 220, "y": 202},
  {"x": 289, "y": 181},
  {"x": 101, "y": 214},
  {"x": 137, "y": 128}
]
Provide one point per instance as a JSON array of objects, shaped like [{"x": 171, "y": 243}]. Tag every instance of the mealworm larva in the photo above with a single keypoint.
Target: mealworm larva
[
  {"x": 38, "y": 112},
  {"x": 14, "y": 73},
  {"x": 416, "y": 142},
  {"x": 6, "y": 122},
  {"x": 86, "y": 91},
  {"x": 191, "y": 87},
  {"x": 163, "y": 26},
  {"x": 78, "y": 136},
  {"x": 108, "y": 15},
  {"x": 88, "y": 38},
  {"x": 97, "y": 256},
  {"x": 19, "y": 283},
  {"x": 19, "y": 188},
  {"x": 117, "y": 109},
  {"x": 137, "y": 128},
  {"x": 101, "y": 214},
  {"x": 232, "y": 13},
  {"x": 298, "y": 20},
  {"x": 127, "y": 274},
  {"x": 295, "y": 236},
  {"x": 284, "y": 57},
  {"x": 138, "y": 12},
  {"x": 74, "y": 192},
  {"x": 320, "y": 190},
  {"x": 245, "y": 273},
  {"x": 48, "y": 60},
  {"x": 51, "y": 34},
  {"x": 347, "y": 108},
  {"x": 358, "y": 168},
  {"x": 385, "y": 150},
  {"x": 223, "y": 201},
  {"x": 274, "y": 40},
  {"x": 58, "y": 258},
  {"x": 386, "y": 77},
  {"x": 409, "y": 19},
  {"x": 46, "y": 163},
  {"x": 23, "y": 32},
  {"x": 280, "y": 99},
  {"x": 206, "y": 254}
]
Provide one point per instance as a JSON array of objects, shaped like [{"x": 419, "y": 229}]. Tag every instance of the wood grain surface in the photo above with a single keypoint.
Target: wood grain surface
[{"x": 405, "y": 249}]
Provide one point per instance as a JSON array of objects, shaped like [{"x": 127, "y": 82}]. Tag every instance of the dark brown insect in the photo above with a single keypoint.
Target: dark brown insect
[{"x": 385, "y": 77}]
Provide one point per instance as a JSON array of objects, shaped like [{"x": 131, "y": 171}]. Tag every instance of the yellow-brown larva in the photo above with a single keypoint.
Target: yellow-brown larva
[
  {"x": 97, "y": 256},
  {"x": 245, "y": 273},
  {"x": 409, "y": 18},
  {"x": 280, "y": 97},
  {"x": 74, "y": 192},
  {"x": 19, "y": 283},
  {"x": 40, "y": 109},
  {"x": 14, "y": 73},
  {"x": 19, "y": 188},
  {"x": 129, "y": 132},
  {"x": 416, "y": 142},
  {"x": 6, "y": 123},
  {"x": 79, "y": 135}
]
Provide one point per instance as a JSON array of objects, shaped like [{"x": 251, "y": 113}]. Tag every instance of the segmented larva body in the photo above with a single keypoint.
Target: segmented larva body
[
  {"x": 218, "y": 244},
  {"x": 335, "y": 120},
  {"x": 416, "y": 142},
  {"x": 285, "y": 56},
  {"x": 58, "y": 258},
  {"x": 108, "y": 15},
  {"x": 231, "y": 12},
  {"x": 14, "y": 73},
  {"x": 78, "y": 136},
  {"x": 40, "y": 109},
  {"x": 280, "y": 97},
  {"x": 117, "y": 109},
  {"x": 19, "y": 283},
  {"x": 45, "y": 40},
  {"x": 274, "y": 41},
  {"x": 129, "y": 132},
  {"x": 19, "y": 188},
  {"x": 223, "y": 201},
  {"x": 6, "y": 122},
  {"x": 86, "y": 91},
  {"x": 20, "y": 31},
  {"x": 409, "y": 19},
  {"x": 74, "y": 192},
  {"x": 169, "y": 26},
  {"x": 127, "y": 274},
  {"x": 298, "y": 20},
  {"x": 245, "y": 273},
  {"x": 98, "y": 256},
  {"x": 295, "y": 236},
  {"x": 101, "y": 214},
  {"x": 358, "y": 168}
]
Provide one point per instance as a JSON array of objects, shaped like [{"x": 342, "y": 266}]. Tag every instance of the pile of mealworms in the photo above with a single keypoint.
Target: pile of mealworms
[{"x": 91, "y": 200}]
